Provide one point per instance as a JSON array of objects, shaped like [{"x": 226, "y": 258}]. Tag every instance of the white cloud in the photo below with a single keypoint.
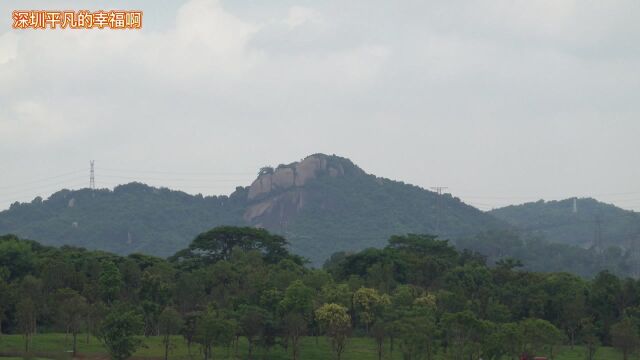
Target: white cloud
[
  {"x": 208, "y": 38},
  {"x": 8, "y": 48},
  {"x": 31, "y": 122},
  {"x": 64, "y": 83},
  {"x": 463, "y": 81},
  {"x": 300, "y": 15}
]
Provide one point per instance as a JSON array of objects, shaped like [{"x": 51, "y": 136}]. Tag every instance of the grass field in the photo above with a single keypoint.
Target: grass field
[{"x": 57, "y": 346}]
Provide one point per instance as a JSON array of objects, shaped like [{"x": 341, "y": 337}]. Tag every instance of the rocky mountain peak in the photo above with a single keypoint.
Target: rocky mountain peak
[{"x": 297, "y": 174}]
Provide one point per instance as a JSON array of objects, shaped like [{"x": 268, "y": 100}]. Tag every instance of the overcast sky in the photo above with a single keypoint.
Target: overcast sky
[{"x": 500, "y": 101}]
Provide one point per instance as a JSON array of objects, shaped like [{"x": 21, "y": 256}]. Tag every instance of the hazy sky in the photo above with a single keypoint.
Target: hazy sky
[{"x": 501, "y": 101}]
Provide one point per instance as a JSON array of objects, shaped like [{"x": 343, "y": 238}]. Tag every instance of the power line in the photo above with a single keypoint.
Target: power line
[
  {"x": 23, "y": 184},
  {"x": 18, "y": 196},
  {"x": 630, "y": 199},
  {"x": 45, "y": 186},
  {"x": 213, "y": 173},
  {"x": 468, "y": 196},
  {"x": 169, "y": 179}
]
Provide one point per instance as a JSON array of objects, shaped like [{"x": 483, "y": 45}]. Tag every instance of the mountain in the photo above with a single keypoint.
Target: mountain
[
  {"x": 322, "y": 204},
  {"x": 592, "y": 224},
  {"x": 326, "y": 203}
]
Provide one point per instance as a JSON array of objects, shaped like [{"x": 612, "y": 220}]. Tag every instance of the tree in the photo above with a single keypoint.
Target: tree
[
  {"x": 624, "y": 337},
  {"x": 58, "y": 274},
  {"x": 416, "y": 331},
  {"x": 379, "y": 333},
  {"x": 540, "y": 335},
  {"x": 26, "y": 316},
  {"x": 110, "y": 282},
  {"x": 28, "y": 308},
  {"x": 295, "y": 326},
  {"x": 336, "y": 322},
  {"x": 252, "y": 323},
  {"x": 188, "y": 292},
  {"x": 223, "y": 280},
  {"x": 150, "y": 313},
  {"x": 155, "y": 291},
  {"x": 512, "y": 337},
  {"x": 427, "y": 257},
  {"x": 337, "y": 294},
  {"x": 464, "y": 334},
  {"x": 131, "y": 277},
  {"x": 5, "y": 294},
  {"x": 16, "y": 256},
  {"x": 589, "y": 337},
  {"x": 567, "y": 303},
  {"x": 366, "y": 302},
  {"x": 71, "y": 312},
  {"x": 169, "y": 323},
  {"x": 297, "y": 306},
  {"x": 118, "y": 332},
  {"x": 189, "y": 329},
  {"x": 211, "y": 328},
  {"x": 503, "y": 340},
  {"x": 573, "y": 311},
  {"x": 217, "y": 244},
  {"x": 93, "y": 318},
  {"x": 469, "y": 281},
  {"x": 603, "y": 299}
]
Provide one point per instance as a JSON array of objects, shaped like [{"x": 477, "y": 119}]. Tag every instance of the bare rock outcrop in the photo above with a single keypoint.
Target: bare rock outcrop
[
  {"x": 278, "y": 194},
  {"x": 293, "y": 175}
]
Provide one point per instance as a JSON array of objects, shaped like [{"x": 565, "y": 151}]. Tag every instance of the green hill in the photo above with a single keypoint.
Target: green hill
[
  {"x": 322, "y": 204},
  {"x": 130, "y": 218},
  {"x": 593, "y": 224}
]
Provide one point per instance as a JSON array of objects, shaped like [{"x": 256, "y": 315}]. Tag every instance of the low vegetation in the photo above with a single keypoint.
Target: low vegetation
[{"x": 57, "y": 346}]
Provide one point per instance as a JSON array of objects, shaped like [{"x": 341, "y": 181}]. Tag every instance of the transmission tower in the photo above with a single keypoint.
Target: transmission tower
[
  {"x": 598, "y": 233},
  {"x": 438, "y": 189},
  {"x": 92, "y": 176}
]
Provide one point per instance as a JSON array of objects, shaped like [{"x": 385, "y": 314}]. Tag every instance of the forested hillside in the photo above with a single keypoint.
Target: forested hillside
[
  {"x": 326, "y": 204},
  {"x": 417, "y": 296},
  {"x": 540, "y": 255},
  {"x": 337, "y": 206},
  {"x": 130, "y": 218},
  {"x": 323, "y": 204},
  {"x": 593, "y": 224}
]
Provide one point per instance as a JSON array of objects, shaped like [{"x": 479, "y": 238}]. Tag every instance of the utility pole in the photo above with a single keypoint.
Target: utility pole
[
  {"x": 438, "y": 189},
  {"x": 92, "y": 176}
]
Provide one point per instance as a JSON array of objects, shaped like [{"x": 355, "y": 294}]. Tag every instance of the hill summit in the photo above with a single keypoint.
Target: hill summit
[
  {"x": 326, "y": 203},
  {"x": 279, "y": 194}
]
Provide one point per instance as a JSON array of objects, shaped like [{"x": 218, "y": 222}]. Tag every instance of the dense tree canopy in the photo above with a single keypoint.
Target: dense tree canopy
[
  {"x": 419, "y": 294},
  {"x": 217, "y": 244}
]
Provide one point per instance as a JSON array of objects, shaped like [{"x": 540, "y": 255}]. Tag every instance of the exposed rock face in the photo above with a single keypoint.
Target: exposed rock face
[
  {"x": 262, "y": 185},
  {"x": 273, "y": 213},
  {"x": 296, "y": 174},
  {"x": 280, "y": 194},
  {"x": 308, "y": 168},
  {"x": 283, "y": 178}
]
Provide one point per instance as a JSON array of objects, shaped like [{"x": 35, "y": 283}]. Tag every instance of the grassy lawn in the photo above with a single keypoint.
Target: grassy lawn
[{"x": 54, "y": 346}]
